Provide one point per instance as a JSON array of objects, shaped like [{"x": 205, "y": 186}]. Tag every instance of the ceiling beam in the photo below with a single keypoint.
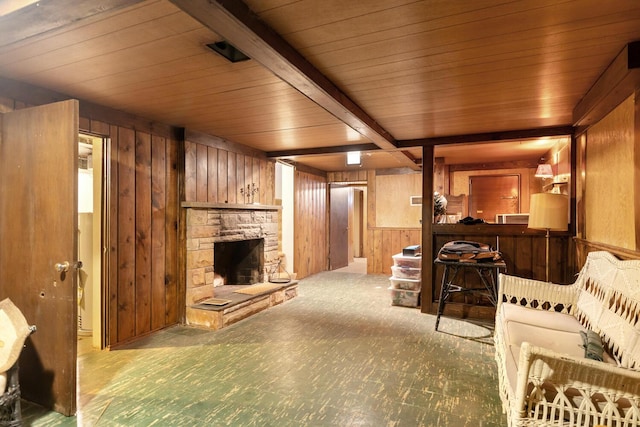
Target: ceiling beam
[
  {"x": 44, "y": 16},
  {"x": 238, "y": 25},
  {"x": 322, "y": 150},
  {"x": 615, "y": 84},
  {"x": 488, "y": 137}
]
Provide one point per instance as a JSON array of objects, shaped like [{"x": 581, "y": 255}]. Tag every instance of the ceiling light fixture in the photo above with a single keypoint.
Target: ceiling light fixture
[
  {"x": 353, "y": 158},
  {"x": 228, "y": 51}
]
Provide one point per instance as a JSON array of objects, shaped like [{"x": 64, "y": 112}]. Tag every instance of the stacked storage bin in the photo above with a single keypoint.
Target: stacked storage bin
[{"x": 406, "y": 280}]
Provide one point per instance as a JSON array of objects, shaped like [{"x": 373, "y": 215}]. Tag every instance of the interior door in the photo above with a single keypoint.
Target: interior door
[
  {"x": 38, "y": 224},
  {"x": 491, "y": 195},
  {"x": 339, "y": 227}
]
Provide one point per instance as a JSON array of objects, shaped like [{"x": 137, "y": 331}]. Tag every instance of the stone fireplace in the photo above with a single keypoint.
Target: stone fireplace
[
  {"x": 239, "y": 262},
  {"x": 228, "y": 244}
]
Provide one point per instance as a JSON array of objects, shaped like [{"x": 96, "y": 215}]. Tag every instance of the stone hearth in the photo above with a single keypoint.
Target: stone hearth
[{"x": 208, "y": 224}]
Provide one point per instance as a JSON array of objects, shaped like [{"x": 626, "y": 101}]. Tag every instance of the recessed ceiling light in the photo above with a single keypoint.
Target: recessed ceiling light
[{"x": 353, "y": 158}]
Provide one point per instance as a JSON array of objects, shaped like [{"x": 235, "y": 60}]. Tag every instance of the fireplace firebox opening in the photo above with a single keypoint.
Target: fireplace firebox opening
[{"x": 239, "y": 262}]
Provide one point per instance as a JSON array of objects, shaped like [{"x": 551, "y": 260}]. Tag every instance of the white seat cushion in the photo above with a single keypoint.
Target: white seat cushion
[{"x": 556, "y": 331}]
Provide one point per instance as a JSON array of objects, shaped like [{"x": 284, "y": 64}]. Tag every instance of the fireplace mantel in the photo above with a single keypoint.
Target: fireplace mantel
[{"x": 254, "y": 207}]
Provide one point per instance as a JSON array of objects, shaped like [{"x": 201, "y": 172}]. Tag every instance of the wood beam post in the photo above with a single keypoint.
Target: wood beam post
[{"x": 426, "y": 294}]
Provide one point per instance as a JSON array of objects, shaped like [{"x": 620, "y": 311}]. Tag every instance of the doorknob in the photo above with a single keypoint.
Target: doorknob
[{"x": 62, "y": 267}]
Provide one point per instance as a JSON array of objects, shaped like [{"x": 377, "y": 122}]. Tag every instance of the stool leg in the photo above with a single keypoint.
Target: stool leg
[{"x": 443, "y": 294}]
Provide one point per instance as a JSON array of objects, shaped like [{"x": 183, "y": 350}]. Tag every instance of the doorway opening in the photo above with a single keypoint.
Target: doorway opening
[
  {"x": 347, "y": 225},
  {"x": 90, "y": 208}
]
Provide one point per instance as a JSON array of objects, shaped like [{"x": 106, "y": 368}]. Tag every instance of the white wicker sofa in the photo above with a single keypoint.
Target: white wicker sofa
[{"x": 546, "y": 378}]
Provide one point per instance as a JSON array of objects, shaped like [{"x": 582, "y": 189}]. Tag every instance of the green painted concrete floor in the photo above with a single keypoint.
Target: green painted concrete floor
[{"x": 337, "y": 355}]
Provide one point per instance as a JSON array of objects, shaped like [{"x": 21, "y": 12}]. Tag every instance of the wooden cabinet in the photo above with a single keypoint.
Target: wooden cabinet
[{"x": 523, "y": 250}]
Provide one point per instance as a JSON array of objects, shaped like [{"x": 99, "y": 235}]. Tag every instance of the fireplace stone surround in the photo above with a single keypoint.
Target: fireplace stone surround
[{"x": 208, "y": 224}]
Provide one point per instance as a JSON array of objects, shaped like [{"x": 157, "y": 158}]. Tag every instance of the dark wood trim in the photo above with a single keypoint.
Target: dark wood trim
[
  {"x": 619, "y": 81},
  {"x": 45, "y": 16},
  {"x": 236, "y": 206},
  {"x": 621, "y": 253},
  {"x": 221, "y": 143},
  {"x": 492, "y": 229},
  {"x": 488, "y": 137},
  {"x": 517, "y": 164},
  {"x": 394, "y": 171},
  {"x": 238, "y": 25},
  {"x": 322, "y": 150},
  {"x": 306, "y": 169}
]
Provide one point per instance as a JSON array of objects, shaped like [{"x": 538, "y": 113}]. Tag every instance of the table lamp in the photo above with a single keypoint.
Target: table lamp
[{"x": 548, "y": 211}]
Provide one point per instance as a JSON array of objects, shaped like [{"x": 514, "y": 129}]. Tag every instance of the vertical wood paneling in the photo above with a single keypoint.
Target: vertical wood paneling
[
  {"x": 217, "y": 175},
  {"x": 212, "y": 175},
  {"x": 174, "y": 297},
  {"x": 231, "y": 178},
  {"x": 264, "y": 184},
  {"x": 190, "y": 177},
  {"x": 222, "y": 176},
  {"x": 158, "y": 226},
  {"x": 310, "y": 246},
  {"x": 202, "y": 175},
  {"x": 143, "y": 233},
  {"x": 113, "y": 265},
  {"x": 126, "y": 311},
  {"x": 141, "y": 195},
  {"x": 240, "y": 184},
  {"x": 270, "y": 181},
  {"x": 248, "y": 178}
]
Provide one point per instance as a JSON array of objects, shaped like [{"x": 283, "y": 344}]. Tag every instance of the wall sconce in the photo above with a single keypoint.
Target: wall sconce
[
  {"x": 353, "y": 158},
  {"x": 544, "y": 171}
]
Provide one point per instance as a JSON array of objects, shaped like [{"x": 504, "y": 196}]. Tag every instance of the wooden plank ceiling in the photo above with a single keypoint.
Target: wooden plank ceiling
[{"x": 325, "y": 74}]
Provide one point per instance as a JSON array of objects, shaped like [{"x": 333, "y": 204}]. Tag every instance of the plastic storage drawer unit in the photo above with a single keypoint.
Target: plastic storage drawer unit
[
  {"x": 407, "y": 284},
  {"x": 400, "y": 260},
  {"x": 406, "y": 272},
  {"x": 404, "y": 297}
]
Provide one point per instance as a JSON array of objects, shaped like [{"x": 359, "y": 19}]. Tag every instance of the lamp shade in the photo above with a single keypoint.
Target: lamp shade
[
  {"x": 549, "y": 211},
  {"x": 544, "y": 171}
]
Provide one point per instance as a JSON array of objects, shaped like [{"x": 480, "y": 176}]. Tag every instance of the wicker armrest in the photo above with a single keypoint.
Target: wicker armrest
[
  {"x": 536, "y": 294},
  {"x": 553, "y": 385}
]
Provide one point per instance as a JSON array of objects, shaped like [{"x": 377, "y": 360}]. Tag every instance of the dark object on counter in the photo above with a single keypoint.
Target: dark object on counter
[
  {"x": 471, "y": 220},
  {"x": 413, "y": 250}
]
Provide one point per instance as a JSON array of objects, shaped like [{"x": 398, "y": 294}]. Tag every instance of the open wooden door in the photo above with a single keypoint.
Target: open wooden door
[
  {"x": 339, "y": 227},
  {"x": 38, "y": 225}
]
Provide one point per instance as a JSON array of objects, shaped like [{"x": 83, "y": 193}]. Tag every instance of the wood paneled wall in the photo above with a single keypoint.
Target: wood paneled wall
[
  {"x": 140, "y": 269},
  {"x": 609, "y": 192},
  {"x": 218, "y": 171},
  {"x": 141, "y": 272},
  {"x": 311, "y": 228},
  {"x": 384, "y": 242},
  {"x": 380, "y": 243}
]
